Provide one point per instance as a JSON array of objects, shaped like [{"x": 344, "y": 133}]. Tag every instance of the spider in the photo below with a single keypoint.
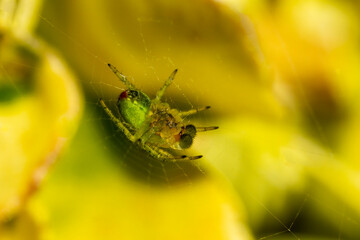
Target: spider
[{"x": 153, "y": 124}]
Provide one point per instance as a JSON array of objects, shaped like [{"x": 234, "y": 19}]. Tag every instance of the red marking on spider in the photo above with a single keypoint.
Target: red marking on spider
[{"x": 123, "y": 95}]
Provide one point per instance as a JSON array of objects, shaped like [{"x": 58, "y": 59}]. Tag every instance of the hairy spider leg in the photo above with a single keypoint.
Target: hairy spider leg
[
  {"x": 145, "y": 132},
  {"x": 118, "y": 123},
  {"x": 177, "y": 158},
  {"x": 165, "y": 156},
  {"x": 193, "y": 111},
  {"x": 122, "y": 78},
  {"x": 167, "y": 83},
  {"x": 187, "y": 158},
  {"x": 204, "y": 129}
]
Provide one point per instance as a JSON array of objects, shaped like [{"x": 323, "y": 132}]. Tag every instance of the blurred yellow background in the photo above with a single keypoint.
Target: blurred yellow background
[{"x": 282, "y": 78}]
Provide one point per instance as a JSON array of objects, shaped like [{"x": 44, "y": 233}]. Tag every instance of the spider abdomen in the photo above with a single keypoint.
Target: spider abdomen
[{"x": 134, "y": 107}]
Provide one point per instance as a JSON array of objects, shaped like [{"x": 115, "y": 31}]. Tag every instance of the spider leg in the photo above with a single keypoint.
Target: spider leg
[
  {"x": 167, "y": 83},
  {"x": 144, "y": 132},
  {"x": 118, "y": 123},
  {"x": 204, "y": 129},
  {"x": 193, "y": 111},
  {"x": 155, "y": 152},
  {"x": 184, "y": 158},
  {"x": 122, "y": 78},
  {"x": 165, "y": 156}
]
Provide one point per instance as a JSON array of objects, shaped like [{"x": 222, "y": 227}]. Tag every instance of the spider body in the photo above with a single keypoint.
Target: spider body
[{"x": 153, "y": 124}]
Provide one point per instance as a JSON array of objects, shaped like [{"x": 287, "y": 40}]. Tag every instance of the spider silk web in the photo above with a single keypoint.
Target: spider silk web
[{"x": 138, "y": 165}]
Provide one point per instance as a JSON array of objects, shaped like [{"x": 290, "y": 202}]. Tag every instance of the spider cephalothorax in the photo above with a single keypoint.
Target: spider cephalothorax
[{"x": 153, "y": 124}]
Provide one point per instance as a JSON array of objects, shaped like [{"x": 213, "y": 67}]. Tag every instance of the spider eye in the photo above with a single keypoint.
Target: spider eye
[
  {"x": 123, "y": 95},
  {"x": 134, "y": 93},
  {"x": 185, "y": 141},
  {"x": 191, "y": 130}
]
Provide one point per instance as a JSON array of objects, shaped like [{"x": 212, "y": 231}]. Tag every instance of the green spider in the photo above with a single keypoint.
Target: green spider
[{"x": 152, "y": 124}]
